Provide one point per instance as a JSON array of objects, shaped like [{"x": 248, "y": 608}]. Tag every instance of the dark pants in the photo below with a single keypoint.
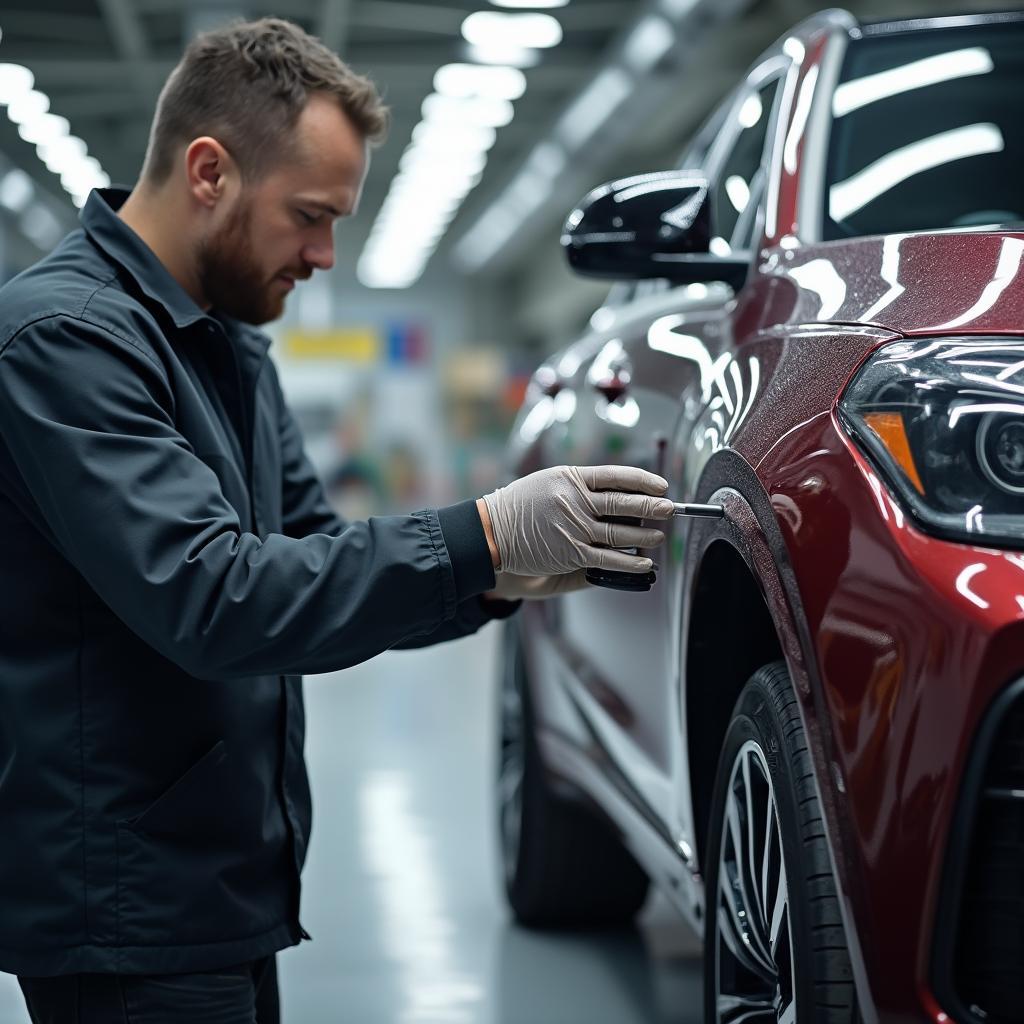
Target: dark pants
[{"x": 244, "y": 994}]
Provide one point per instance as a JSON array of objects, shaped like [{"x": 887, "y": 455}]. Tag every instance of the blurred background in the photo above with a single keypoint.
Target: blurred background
[{"x": 405, "y": 365}]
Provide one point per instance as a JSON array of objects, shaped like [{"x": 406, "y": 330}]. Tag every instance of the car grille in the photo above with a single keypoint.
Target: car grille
[{"x": 989, "y": 957}]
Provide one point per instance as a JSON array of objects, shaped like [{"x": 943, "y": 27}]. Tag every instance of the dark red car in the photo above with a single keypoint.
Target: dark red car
[{"x": 810, "y": 730}]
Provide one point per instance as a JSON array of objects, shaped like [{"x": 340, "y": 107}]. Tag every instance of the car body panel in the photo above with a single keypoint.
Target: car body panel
[{"x": 902, "y": 283}]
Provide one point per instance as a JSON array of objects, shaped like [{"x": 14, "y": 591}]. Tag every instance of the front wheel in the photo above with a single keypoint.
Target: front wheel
[{"x": 775, "y": 949}]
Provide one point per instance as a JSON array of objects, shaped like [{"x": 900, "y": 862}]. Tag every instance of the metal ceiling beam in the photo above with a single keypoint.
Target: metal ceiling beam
[
  {"x": 603, "y": 15},
  {"x": 126, "y": 29},
  {"x": 431, "y": 19},
  {"x": 333, "y": 24},
  {"x": 68, "y": 28},
  {"x": 101, "y": 103},
  {"x": 382, "y": 62}
]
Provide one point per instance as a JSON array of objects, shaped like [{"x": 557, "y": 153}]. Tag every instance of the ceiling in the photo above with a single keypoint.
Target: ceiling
[{"x": 102, "y": 63}]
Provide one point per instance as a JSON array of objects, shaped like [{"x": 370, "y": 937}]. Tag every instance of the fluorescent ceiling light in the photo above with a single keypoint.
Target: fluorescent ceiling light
[
  {"x": 15, "y": 81},
  {"x": 476, "y": 110},
  {"x": 456, "y": 137},
  {"x": 504, "y": 54},
  {"x": 417, "y": 156},
  {"x": 594, "y": 106},
  {"x": 447, "y": 155},
  {"x": 401, "y": 201},
  {"x": 943, "y": 67},
  {"x": 847, "y": 197},
  {"x": 81, "y": 179},
  {"x": 16, "y": 190},
  {"x": 62, "y": 153},
  {"x": 45, "y": 129},
  {"x": 648, "y": 43},
  {"x": 465, "y": 80},
  {"x": 534, "y": 4},
  {"x": 530, "y": 31},
  {"x": 27, "y": 106},
  {"x": 434, "y": 176}
]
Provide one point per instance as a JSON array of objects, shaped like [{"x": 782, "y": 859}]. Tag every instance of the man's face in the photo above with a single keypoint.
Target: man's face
[{"x": 279, "y": 229}]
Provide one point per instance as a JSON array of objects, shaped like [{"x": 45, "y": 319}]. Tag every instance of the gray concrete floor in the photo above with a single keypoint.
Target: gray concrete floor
[{"x": 402, "y": 888}]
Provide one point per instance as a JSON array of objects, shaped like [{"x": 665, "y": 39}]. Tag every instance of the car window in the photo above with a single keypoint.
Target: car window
[
  {"x": 927, "y": 132},
  {"x": 695, "y": 154},
  {"x": 739, "y": 181}
]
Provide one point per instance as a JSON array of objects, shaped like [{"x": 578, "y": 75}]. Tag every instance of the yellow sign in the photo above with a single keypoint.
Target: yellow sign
[{"x": 354, "y": 345}]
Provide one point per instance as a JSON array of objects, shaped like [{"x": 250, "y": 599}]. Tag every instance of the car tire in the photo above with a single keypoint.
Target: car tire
[
  {"x": 774, "y": 944},
  {"x": 564, "y": 866}
]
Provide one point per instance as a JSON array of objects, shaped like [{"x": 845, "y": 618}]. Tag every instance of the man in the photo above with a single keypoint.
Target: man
[{"x": 169, "y": 565}]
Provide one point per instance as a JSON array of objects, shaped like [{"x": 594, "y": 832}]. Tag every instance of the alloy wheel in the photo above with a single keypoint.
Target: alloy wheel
[{"x": 755, "y": 980}]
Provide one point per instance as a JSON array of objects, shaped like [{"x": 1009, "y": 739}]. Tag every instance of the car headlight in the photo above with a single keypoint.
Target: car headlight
[{"x": 943, "y": 420}]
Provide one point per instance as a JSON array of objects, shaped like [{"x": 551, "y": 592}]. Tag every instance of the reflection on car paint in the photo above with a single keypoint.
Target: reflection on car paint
[
  {"x": 537, "y": 420},
  {"x": 963, "y": 583},
  {"x": 624, "y": 413},
  {"x": 820, "y": 277},
  {"x": 1005, "y": 273},
  {"x": 853, "y": 194}
]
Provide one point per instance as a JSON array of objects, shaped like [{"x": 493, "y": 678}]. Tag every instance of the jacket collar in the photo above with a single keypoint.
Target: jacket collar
[
  {"x": 101, "y": 223},
  {"x": 114, "y": 237}
]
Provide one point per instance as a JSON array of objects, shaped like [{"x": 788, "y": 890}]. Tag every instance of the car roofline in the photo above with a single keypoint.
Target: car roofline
[{"x": 884, "y": 27}]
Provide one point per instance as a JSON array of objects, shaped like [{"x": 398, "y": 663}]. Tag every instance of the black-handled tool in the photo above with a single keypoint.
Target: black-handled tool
[{"x": 638, "y": 581}]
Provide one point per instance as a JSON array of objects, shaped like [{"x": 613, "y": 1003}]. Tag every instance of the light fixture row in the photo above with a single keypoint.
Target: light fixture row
[
  {"x": 449, "y": 147},
  {"x": 64, "y": 154},
  {"x": 643, "y": 48}
]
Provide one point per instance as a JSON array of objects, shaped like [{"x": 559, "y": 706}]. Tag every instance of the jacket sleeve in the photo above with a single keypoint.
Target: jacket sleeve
[
  {"x": 88, "y": 419},
  {"x": 470, "y": 615},
  {"x": 307, "y": 510}
]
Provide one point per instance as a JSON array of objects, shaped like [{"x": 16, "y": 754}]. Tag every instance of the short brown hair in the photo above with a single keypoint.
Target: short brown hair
[{"x": 246, "y": 85}]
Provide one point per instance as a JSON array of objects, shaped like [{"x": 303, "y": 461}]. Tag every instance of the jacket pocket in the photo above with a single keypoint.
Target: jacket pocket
[
  {"x": 191, "y": 869},
  {"x": 192, "y": 795}
]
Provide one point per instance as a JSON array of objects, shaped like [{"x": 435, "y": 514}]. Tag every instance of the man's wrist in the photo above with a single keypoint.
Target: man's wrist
[{"x": 485, "y": 519}]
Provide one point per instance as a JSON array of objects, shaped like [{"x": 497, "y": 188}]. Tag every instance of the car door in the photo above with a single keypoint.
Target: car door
[{"x": 649, "y": 375}]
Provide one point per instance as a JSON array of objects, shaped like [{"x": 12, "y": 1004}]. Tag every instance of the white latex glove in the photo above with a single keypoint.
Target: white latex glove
[
  {"x": 509, "y": 587},
  {"x": 551, "y": 521}
]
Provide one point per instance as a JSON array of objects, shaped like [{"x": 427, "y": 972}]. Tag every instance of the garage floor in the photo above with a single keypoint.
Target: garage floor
[{"x": 402, "y": 892}]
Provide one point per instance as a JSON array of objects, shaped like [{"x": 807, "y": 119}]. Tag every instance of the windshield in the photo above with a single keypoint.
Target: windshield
[{"x": 928, "y": 132}]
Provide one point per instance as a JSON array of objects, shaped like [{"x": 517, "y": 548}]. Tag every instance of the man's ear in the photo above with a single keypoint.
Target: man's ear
[{"x": 209, "y": 169}]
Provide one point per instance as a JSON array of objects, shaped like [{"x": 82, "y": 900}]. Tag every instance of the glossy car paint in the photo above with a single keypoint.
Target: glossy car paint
[{"x": 897, "y": 642}]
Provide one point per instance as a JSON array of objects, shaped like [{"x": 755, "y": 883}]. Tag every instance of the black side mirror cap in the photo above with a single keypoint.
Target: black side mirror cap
[{"x": 648, "y": 225}]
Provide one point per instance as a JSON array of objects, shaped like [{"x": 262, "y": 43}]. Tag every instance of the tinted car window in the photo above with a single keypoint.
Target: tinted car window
[
  {"x": 736, "y": 185},
  {"x": 927, "y": 132}
]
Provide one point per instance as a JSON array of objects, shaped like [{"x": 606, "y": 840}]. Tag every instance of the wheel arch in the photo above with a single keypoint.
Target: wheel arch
[{"x": 725, "y": 593}]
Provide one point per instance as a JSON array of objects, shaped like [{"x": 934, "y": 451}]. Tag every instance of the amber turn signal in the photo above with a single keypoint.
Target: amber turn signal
[{"x": 892, "y": 433}]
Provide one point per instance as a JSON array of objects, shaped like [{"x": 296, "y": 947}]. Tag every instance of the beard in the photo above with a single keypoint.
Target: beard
[{"x": 229, "y": 276}]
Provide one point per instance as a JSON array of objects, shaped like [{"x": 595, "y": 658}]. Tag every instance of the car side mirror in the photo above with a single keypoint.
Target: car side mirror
[{"x": 649, "y": 225}]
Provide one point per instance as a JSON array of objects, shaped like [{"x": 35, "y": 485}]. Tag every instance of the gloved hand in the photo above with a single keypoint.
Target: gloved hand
[
  {"x": 508, "y": 587},
  {"x": 550, "y": 521}
]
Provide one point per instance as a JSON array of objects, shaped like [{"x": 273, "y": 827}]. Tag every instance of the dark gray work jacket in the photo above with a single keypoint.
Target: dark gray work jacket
[{"x": 168, "y": 567}]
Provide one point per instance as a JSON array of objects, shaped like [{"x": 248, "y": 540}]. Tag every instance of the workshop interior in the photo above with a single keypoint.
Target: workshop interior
[{"x": 766, "y": 250}]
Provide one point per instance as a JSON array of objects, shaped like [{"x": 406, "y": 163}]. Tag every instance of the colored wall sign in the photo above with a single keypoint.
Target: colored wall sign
[
  {"x": 407, "y": 343},
  {"x": 398, "y": 343},
  {"x": 351, "y": 344}
]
